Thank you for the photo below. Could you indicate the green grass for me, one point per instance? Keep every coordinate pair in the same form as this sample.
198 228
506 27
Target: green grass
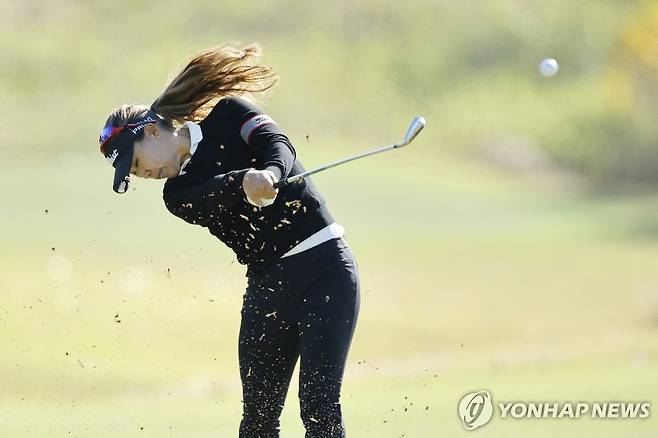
380 399
529 292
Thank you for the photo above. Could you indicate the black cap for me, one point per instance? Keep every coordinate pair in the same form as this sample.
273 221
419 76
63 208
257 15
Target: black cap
118 144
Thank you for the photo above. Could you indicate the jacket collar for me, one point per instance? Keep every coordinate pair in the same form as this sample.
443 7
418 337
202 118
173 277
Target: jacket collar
195 138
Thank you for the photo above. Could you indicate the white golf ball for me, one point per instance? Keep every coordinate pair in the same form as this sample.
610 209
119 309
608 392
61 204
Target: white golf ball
549 67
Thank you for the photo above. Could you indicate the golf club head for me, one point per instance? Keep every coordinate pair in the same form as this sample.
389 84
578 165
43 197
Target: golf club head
417 125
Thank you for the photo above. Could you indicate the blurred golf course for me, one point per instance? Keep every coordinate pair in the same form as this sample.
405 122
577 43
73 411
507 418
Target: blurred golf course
512 247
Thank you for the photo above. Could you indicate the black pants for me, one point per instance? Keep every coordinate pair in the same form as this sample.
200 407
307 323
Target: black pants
304 305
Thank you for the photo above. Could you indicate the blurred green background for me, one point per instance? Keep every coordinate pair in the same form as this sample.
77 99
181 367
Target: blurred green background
513 247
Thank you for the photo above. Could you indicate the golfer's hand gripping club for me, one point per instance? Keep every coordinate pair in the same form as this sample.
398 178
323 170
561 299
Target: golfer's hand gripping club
417 124
259 188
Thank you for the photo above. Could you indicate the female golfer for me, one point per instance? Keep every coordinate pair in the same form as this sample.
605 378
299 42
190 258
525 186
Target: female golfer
221 156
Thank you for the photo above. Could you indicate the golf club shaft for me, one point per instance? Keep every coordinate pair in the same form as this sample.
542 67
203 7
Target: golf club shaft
417 125
284 182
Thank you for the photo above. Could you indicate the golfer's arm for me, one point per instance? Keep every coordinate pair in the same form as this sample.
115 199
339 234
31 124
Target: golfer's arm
197 203
263 136
277 153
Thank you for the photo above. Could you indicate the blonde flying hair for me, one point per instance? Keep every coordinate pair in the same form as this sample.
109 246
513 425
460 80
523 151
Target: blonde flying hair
218 72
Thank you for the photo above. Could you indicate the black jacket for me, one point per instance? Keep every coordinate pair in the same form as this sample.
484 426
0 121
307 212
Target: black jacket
238 136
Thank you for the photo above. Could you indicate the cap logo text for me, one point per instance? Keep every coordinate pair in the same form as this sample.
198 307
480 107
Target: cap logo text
113 156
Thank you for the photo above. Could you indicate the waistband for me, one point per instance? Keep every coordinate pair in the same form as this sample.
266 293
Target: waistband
302 258
331 231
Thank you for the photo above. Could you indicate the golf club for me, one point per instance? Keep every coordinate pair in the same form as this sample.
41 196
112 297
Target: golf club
417 124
